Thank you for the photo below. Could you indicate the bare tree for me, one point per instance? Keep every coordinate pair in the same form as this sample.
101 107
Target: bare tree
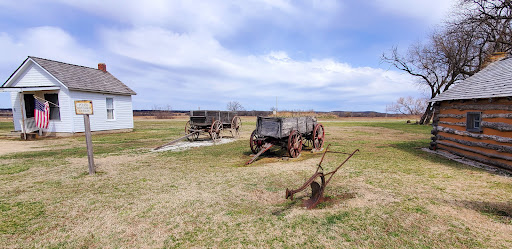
459 49
234 106
428 63
409 106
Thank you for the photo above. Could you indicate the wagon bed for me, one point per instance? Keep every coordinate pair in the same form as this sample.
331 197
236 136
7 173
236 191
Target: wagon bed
290 133
204 118
213 123
280 127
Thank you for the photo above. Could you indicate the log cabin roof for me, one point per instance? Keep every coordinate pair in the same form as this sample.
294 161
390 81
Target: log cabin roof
491 82
80 78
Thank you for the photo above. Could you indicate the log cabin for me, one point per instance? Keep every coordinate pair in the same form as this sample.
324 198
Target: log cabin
473 119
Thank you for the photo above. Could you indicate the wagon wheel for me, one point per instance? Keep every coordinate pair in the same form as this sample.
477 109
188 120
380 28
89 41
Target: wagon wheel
294 144
236 126
255 143
215 130
187 131
318 136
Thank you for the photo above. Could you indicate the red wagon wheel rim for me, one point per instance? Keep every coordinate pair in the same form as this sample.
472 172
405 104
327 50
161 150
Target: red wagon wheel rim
294 144
318 136
255 143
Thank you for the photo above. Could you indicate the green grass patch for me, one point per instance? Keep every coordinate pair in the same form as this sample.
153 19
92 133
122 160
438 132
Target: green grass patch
6 127
17 217
391 194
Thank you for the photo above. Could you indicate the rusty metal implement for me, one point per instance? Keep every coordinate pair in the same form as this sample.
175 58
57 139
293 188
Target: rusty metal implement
317 189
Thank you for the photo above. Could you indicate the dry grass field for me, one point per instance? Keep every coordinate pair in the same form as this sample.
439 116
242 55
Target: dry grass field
390 195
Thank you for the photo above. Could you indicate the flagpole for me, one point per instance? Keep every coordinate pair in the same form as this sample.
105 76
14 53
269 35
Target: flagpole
39 98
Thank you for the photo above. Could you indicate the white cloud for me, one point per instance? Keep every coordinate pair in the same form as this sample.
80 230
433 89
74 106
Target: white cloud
217 17
47 42
189 70
171 52
204 69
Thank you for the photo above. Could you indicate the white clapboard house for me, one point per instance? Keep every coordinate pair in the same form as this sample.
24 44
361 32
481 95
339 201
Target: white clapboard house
62 84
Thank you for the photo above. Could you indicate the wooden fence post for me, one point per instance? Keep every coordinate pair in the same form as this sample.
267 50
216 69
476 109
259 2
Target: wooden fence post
88 141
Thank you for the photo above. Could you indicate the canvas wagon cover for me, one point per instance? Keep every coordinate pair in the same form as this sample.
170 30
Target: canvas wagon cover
279 127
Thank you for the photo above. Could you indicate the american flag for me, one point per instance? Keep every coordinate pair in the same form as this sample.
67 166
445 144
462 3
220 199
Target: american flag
41 114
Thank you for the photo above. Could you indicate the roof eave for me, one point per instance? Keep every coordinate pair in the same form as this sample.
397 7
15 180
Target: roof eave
470 98
98 91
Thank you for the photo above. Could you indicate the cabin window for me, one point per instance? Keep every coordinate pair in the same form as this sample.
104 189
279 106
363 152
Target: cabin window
110 108
54 109
474 121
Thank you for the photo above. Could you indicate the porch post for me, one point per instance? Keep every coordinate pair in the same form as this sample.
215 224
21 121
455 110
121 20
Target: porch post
23 128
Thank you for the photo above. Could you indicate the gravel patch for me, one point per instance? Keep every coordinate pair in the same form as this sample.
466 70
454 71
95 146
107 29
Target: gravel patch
185 145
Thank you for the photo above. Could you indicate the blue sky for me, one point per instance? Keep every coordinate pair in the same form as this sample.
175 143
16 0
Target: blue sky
310 54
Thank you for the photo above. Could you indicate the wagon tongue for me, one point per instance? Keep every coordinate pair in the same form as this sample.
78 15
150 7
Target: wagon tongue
265 147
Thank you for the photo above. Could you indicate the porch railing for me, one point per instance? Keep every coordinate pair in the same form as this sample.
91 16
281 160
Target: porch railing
30 125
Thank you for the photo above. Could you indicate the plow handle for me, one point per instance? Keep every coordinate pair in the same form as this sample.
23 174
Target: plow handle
334 171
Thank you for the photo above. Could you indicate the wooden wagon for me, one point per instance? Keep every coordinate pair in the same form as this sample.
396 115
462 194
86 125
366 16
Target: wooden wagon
213 123
290 133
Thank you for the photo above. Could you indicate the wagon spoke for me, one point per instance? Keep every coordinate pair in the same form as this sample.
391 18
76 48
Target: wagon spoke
294 144
255 142
236 125
318 136
188 131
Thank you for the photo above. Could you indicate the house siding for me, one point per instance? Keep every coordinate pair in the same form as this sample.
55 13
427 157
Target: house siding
34 76
493 145
123 112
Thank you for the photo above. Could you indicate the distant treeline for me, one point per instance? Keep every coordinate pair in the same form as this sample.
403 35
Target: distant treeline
174 113
5 112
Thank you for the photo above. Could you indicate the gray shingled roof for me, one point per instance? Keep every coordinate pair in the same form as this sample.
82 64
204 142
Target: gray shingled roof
491 82
82 78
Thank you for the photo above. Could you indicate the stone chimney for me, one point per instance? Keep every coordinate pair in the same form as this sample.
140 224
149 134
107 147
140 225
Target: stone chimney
496 56
102 67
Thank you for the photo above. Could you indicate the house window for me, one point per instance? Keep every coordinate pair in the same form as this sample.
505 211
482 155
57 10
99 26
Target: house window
54 109
110 108
474 121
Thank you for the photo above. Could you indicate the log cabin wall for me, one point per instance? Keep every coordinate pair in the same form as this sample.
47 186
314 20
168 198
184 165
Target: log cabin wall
491 143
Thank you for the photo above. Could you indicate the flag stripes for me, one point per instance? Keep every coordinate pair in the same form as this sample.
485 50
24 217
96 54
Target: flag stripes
41 113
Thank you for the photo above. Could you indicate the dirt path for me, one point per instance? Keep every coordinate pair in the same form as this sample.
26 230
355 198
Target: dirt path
13 146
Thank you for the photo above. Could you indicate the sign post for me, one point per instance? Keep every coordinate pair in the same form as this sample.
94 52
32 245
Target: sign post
84 107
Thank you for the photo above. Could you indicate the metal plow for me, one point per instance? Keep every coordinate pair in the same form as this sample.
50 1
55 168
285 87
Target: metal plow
317 189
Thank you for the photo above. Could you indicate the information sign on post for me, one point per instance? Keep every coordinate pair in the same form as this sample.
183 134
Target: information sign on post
84 107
